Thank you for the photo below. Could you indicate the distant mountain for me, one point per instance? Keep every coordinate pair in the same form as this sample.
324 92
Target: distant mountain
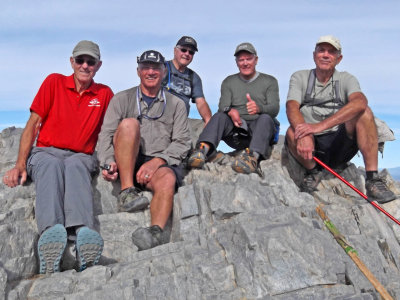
395 172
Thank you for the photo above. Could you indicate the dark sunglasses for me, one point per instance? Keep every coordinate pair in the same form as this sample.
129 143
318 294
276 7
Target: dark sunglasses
81 61
184 50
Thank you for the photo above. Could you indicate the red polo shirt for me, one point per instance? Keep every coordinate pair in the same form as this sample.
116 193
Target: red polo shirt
69 120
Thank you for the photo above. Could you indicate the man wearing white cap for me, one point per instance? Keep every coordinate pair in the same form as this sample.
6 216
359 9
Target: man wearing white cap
329 117
67 114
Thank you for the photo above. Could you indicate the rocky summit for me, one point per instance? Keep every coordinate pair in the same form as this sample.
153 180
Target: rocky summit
231 236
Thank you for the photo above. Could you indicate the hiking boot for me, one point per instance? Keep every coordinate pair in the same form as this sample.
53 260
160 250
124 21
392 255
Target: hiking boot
246 163
197 158
378 191
129 200
146 238
89 246
51 246
311 180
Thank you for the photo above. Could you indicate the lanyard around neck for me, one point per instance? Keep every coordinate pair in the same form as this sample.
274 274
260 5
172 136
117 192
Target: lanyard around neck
140 110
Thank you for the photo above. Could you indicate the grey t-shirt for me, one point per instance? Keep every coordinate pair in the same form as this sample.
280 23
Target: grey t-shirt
178 83
314 114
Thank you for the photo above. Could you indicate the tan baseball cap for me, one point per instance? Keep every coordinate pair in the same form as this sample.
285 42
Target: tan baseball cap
330 39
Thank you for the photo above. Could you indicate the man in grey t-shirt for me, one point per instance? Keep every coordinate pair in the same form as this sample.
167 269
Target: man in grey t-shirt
329 117
182 81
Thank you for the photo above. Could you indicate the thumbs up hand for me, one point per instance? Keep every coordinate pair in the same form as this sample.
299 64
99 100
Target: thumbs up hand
252 107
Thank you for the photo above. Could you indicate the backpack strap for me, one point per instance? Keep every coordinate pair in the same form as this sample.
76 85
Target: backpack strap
309 101
167 80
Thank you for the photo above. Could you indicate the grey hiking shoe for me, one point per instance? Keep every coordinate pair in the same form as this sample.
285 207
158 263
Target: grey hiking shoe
146 238
89 246
378 191
311 181
130 200
51 246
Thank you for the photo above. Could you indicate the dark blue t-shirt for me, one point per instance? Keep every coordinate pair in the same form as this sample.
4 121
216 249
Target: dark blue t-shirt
178 83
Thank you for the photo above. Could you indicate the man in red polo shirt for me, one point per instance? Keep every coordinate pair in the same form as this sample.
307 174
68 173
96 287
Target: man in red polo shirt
67 112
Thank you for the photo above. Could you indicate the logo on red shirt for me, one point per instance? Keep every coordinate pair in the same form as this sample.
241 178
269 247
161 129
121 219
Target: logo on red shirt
94 102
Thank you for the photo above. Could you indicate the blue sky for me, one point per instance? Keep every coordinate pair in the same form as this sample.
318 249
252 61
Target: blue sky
37 38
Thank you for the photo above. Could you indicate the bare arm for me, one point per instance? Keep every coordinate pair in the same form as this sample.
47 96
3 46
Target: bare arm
293 113
204 109
304 145
17 175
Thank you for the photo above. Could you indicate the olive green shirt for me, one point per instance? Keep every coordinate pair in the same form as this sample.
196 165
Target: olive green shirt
263 90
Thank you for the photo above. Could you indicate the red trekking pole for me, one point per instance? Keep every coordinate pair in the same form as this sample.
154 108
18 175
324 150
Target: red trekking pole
356 190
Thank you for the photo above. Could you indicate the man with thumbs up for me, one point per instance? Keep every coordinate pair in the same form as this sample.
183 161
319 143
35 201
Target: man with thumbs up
245 119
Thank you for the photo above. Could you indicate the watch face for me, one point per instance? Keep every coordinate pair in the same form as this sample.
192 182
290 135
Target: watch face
227 109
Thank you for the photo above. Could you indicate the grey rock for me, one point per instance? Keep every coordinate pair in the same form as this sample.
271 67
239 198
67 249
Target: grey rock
231 236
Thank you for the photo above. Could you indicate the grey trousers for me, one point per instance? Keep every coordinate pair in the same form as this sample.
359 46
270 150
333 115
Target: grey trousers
259 138
63 187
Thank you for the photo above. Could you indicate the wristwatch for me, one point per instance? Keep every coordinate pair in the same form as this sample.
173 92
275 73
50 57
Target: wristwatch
227 109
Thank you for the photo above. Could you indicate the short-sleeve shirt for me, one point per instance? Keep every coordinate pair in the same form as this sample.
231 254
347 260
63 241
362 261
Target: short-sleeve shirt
70 120
314 114
178 84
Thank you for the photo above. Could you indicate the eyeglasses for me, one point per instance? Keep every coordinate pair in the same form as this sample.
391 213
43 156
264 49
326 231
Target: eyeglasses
81 61
184 50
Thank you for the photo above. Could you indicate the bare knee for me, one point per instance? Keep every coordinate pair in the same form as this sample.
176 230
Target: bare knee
290 138
163 180
128 127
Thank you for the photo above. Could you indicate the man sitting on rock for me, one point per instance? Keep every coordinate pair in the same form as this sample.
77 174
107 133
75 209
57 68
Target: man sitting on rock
245 120
67 112
144 138
330 118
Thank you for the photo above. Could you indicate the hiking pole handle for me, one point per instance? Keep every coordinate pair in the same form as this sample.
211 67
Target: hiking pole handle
356 190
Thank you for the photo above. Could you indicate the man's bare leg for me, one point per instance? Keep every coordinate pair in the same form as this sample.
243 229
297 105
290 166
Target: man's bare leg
126 149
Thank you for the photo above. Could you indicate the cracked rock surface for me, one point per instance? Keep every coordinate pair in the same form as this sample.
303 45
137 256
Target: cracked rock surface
231 236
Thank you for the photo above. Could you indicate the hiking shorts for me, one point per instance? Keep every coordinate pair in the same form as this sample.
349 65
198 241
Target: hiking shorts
335 148
177 169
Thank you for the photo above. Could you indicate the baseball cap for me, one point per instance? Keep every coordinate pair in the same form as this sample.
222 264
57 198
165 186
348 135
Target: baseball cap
330 39
187 41
87 48
245 47
151 56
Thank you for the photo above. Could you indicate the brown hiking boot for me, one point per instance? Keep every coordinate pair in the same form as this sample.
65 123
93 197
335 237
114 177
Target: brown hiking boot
311 180
378 191
246 163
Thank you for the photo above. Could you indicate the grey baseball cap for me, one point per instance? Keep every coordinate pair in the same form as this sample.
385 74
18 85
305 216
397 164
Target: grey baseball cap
248 47
330 39
87 48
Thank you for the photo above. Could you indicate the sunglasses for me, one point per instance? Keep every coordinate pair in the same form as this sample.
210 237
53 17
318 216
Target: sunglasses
184 50
81 61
